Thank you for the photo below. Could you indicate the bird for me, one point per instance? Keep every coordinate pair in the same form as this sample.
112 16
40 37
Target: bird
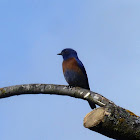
74 71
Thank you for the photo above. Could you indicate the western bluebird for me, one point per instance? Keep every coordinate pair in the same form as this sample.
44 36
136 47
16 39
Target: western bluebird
74 71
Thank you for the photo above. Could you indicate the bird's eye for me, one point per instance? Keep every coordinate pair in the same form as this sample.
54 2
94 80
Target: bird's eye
65 51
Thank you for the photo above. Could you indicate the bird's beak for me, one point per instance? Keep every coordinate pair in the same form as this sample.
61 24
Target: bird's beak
59 54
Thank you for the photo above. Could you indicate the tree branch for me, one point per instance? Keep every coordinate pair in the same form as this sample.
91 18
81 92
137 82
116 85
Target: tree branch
109 120
114 122
54 89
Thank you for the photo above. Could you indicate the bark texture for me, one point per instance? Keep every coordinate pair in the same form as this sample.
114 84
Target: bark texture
109 120
55 90
114 122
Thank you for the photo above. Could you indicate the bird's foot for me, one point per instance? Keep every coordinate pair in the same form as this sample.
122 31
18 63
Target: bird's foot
66 87
69 86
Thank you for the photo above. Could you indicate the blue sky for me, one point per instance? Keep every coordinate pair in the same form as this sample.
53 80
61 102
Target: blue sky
106 36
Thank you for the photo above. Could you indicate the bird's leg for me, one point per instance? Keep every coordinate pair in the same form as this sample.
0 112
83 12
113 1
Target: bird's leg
69 86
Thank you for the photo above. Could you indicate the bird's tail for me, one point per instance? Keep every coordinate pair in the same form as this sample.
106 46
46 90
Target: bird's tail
92 105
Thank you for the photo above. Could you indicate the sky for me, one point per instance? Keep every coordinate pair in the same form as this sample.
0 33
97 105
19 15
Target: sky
106 35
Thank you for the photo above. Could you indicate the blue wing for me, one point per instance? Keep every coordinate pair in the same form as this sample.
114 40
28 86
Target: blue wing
81 66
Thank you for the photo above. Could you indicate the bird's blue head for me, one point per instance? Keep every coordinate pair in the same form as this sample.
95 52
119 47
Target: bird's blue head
68 53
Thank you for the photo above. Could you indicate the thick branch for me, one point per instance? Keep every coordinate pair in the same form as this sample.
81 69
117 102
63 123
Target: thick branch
110 120
54 89
114 122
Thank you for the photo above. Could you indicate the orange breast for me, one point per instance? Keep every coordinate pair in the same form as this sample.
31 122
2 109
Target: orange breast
70 64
